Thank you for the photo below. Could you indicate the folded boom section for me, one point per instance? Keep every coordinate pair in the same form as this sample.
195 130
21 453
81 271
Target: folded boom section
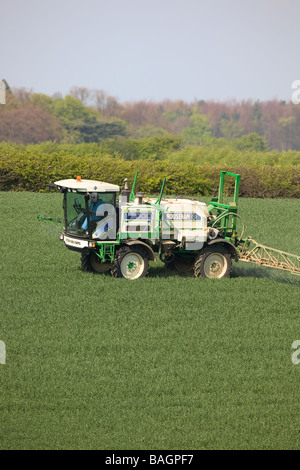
251 251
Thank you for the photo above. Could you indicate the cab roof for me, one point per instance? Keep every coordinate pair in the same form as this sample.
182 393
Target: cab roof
82 185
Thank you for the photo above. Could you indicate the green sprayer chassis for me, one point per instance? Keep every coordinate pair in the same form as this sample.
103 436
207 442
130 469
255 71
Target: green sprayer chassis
185 233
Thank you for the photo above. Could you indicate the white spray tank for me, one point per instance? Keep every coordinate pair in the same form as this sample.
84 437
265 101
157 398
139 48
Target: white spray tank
185 220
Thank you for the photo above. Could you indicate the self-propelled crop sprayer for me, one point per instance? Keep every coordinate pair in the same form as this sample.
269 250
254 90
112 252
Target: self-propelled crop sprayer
118 230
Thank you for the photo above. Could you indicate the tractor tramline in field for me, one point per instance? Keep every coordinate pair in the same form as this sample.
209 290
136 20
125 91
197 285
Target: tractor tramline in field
116 230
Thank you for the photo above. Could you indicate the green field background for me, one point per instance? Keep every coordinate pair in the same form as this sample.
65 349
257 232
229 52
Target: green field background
166 362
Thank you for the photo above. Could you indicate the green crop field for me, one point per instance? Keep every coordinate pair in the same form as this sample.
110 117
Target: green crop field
162 363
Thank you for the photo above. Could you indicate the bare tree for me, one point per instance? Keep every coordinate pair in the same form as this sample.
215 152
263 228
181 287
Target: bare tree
57 95
22 95
81 93
106 104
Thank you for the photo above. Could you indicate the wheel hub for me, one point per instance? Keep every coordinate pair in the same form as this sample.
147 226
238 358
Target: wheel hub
131 266
215 267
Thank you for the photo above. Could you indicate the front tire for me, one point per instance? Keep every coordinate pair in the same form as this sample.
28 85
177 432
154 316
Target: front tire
213 263
90 262
131 263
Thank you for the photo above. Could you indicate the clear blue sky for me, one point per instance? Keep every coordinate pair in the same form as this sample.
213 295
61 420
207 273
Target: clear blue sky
153 49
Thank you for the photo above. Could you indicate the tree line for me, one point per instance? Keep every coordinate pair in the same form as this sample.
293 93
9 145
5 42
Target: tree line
92 116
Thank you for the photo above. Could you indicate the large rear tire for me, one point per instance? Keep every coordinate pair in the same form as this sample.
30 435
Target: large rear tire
130 262
184 264
181 264
213 263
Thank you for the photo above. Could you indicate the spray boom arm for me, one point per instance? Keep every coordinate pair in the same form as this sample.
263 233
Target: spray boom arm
251 251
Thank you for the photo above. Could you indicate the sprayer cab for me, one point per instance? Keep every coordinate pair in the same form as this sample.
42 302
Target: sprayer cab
86 203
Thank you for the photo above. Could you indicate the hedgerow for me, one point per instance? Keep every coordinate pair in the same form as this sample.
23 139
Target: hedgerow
23 170
217 152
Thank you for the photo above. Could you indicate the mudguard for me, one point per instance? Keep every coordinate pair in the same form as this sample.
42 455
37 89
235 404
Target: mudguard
228 245
147 248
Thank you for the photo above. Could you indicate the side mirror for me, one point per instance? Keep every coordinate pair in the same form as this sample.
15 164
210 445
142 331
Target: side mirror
94 197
